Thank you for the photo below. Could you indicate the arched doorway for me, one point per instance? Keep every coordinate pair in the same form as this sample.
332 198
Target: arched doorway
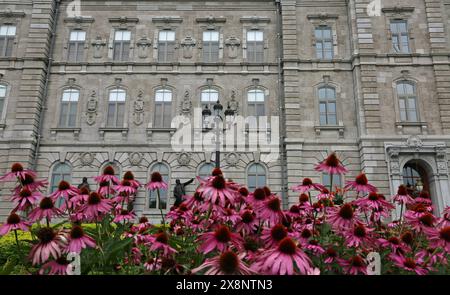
415 178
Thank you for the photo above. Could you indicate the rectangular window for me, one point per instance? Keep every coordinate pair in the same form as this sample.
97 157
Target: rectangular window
327 106
256 103
116 108
407 99
76 45
210 46
400 36
122 41
7 36
2 99
69 105
166 46
324 43
255 46
163 108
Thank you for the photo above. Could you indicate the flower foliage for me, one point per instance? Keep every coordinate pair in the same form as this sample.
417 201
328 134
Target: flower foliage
223 228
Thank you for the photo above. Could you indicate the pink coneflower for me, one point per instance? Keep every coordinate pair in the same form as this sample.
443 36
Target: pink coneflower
394 243
247 222
107 176
17 173
46 210
444 221
433 256
242 194
159 242
286 258
106 189
331 255
126 187
314 247
409 264
342 218
64 191
325 195
25 199
228 215
60 266
331 165
227 263
79 240
360 184
13 222
373 201
219 189
80 198
50 244
440 238
257 197
421 223
270 210
306 186
193 201
129 176
314 271
156 182
143 224
219 239
31 184
124 215
358 236
402 196
153 264
354 265
95 206
273 236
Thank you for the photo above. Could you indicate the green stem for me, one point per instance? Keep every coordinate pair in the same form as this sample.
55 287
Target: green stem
160 209
17 241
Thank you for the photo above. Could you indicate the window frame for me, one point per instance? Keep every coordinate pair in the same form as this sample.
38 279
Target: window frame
405 97
9 40
4 102
211 49
164 105
117 103
252 55
327 101
321 53
203 166
78 44
71 105
254 104
256 175
121 56
398 34
163 53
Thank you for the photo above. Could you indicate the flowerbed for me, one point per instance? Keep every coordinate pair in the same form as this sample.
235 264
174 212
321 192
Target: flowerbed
221 229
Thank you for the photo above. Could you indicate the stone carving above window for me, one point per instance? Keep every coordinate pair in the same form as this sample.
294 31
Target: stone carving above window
232 159
87 158
91 110
184 159
135 158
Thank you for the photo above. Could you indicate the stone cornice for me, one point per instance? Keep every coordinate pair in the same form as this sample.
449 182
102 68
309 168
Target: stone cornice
123 19
11 13
79 19
254 19
167 19
397 9
211 19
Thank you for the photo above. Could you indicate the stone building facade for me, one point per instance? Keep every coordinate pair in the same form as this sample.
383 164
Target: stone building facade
84 84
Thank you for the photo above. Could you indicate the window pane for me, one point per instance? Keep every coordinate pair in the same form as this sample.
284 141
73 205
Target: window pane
111 114
167 115
2 91
158 115
72 114
63 114
332 107
332 120
120 114
260 109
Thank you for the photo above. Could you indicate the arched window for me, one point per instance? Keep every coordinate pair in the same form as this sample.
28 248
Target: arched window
69 107
61 171
256 102
324 42
116 108
414 176
209 97
327 105
256 176
163 169
205 170
407 100
2 100
163 108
